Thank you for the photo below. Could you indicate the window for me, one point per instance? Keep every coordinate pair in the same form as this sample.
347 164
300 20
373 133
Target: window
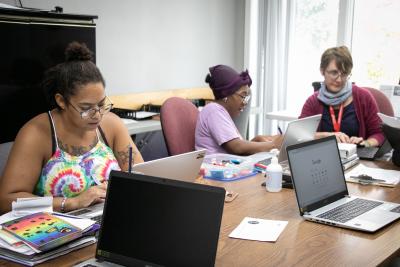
314 29
376 42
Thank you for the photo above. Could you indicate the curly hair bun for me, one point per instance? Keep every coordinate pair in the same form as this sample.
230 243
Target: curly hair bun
78 51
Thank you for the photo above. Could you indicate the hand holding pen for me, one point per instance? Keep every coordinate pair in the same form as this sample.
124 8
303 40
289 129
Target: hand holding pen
280 130
130 159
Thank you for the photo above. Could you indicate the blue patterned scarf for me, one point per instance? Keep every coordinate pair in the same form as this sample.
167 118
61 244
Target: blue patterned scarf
334 99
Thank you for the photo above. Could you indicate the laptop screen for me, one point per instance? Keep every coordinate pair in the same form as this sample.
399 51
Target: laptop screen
316 171
156 221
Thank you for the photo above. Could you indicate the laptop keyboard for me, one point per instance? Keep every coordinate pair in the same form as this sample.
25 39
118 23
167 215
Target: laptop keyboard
349 210
97 219
367 152
397 209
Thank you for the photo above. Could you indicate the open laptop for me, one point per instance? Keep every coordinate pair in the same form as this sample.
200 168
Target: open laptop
322 194
371 153
152 221
297 131
185 167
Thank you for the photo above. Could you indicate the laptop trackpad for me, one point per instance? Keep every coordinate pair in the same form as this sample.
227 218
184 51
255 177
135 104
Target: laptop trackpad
376 217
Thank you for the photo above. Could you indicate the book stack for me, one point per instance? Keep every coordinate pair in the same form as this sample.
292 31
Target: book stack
348 155
38 237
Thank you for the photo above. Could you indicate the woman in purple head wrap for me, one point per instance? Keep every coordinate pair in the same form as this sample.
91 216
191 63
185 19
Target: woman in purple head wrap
215 129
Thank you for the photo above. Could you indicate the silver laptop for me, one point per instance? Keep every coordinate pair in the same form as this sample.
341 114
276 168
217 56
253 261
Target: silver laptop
152 221
297 131
184 167
322 194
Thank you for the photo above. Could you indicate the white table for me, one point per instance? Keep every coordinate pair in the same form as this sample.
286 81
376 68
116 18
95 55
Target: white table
136 127
283 115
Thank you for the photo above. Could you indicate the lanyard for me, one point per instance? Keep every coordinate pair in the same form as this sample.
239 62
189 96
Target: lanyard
336 124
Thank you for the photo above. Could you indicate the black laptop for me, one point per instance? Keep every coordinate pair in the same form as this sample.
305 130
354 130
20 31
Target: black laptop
371 153
152 221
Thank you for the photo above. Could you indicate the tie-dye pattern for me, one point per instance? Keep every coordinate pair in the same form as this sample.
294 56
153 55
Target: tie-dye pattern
68 176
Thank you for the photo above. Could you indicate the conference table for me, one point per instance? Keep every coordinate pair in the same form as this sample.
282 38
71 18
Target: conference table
302 243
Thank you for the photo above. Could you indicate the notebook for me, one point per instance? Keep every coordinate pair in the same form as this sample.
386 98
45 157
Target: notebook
322 194
152 221
42 231
185 167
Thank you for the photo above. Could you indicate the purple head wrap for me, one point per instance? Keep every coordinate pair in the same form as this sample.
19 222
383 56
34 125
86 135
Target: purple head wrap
225 81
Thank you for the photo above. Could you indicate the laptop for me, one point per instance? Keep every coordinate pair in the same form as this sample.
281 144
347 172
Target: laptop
297 131
153 221
322 194
184 167
371 153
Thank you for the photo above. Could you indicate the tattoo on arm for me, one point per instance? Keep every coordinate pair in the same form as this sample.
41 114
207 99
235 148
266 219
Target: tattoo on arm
123 156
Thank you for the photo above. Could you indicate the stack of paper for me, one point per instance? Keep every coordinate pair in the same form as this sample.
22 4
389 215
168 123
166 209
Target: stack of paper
36 238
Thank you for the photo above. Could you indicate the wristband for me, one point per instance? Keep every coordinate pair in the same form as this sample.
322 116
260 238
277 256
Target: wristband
62 209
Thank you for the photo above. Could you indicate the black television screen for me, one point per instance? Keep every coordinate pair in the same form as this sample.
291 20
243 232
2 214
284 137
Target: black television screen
27 49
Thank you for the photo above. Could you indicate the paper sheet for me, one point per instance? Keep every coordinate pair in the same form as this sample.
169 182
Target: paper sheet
259 229
25 206
389 176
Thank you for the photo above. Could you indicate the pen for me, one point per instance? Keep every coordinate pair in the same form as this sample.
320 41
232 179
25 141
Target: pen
367 178
279 130
130 159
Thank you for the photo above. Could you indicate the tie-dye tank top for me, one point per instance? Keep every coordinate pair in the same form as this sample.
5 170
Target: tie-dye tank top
66 175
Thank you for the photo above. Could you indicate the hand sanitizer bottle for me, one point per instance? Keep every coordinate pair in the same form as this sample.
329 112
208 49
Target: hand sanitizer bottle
274 176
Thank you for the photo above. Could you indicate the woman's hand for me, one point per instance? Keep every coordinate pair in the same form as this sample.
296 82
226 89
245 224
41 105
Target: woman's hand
93 195
277 140
356 140
341 137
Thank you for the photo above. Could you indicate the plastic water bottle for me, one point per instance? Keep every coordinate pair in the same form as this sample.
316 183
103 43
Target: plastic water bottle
274 176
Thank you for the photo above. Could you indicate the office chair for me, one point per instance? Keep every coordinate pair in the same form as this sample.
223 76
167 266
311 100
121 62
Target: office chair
178 122
383 102
5 149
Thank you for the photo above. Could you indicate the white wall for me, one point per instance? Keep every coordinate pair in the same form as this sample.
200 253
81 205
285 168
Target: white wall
160 44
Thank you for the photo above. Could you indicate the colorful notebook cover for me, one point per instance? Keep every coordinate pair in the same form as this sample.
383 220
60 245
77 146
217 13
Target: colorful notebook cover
42 231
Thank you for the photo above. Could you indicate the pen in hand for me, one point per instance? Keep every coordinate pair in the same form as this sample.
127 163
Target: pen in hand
130 159
279 130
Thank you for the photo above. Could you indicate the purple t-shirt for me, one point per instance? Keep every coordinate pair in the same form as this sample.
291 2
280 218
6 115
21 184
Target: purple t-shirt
214 128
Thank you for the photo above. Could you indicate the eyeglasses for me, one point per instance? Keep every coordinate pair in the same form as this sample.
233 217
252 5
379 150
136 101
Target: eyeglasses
90 113
245 98
334 74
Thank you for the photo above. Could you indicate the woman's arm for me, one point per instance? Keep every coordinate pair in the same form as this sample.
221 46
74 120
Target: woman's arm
243 147
120 141
23 167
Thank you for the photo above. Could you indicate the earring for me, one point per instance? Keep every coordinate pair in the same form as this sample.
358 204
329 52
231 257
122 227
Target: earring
225 99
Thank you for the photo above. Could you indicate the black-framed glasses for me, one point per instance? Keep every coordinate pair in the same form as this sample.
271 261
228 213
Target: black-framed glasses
245 98
334 74
90 113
